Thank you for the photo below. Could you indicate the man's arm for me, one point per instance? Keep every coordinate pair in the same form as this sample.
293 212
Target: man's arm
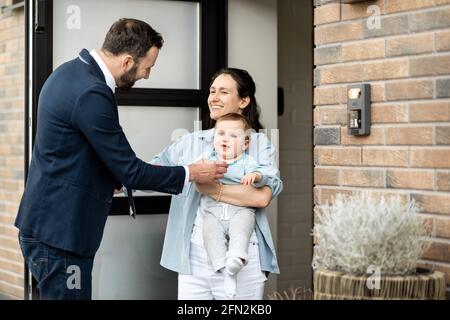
96 117
238 195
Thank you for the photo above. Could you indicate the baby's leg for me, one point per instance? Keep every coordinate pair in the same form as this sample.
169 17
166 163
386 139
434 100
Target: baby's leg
241 228
214 240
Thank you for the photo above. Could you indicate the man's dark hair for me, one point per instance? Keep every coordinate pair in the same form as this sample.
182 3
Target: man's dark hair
131 36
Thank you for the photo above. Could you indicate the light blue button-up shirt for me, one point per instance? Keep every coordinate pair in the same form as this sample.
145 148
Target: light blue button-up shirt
184 206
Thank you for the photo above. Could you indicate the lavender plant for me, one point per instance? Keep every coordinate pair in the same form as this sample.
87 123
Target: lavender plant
359 231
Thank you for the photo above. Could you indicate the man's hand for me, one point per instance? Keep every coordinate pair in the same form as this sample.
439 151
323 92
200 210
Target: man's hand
116 191
250 178
207 171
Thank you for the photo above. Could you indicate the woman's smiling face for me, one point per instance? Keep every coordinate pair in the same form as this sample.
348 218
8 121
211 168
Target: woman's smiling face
224 97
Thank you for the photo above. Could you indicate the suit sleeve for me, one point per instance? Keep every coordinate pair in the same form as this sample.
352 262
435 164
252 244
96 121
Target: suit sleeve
96 117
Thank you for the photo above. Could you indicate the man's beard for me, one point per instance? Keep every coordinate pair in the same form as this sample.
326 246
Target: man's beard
128 79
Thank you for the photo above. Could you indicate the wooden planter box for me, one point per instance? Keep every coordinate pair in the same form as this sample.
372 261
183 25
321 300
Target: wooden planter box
424 285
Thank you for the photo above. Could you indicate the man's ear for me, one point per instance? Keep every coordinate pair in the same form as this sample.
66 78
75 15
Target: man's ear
127 62
244 102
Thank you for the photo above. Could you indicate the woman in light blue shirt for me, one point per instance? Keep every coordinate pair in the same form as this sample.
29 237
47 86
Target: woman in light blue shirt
232 91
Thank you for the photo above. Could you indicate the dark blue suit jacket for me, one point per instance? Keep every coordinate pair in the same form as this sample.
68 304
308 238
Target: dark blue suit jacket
80 155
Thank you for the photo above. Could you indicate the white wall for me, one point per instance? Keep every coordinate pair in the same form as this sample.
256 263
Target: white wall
252 45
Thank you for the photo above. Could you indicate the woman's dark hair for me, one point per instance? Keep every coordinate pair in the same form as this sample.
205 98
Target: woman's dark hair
246 88
131 36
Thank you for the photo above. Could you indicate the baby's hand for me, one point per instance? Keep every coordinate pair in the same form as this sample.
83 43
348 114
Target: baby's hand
250 178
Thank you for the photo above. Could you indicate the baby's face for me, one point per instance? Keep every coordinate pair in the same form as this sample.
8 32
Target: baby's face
229 139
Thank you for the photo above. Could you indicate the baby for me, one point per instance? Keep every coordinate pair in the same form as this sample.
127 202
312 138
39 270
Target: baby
226 223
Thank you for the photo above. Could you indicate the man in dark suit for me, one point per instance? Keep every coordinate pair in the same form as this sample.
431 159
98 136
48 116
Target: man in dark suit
81 155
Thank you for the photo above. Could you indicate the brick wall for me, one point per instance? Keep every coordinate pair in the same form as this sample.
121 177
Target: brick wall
407 62
11 148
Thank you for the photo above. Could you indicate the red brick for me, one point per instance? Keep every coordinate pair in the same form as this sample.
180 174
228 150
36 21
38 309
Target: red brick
428 223
431 111
359 10
442 227
11 254
409 90
364 50
430 66
329 194
316 194
443 41
327 13
363 178
332 115
326 95
393 6
338 33
409 135
327 55
432 203
341 74
339 156
389 26
409 179
390 69
378 92
438 251
316 117
10 290
11 196
8 230
429 20
392 157
443 135
7 219
324 176
376 137
429 158
11 278
389 113
11 185
443 180
411 44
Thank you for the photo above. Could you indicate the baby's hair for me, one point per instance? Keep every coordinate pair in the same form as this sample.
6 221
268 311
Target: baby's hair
235 117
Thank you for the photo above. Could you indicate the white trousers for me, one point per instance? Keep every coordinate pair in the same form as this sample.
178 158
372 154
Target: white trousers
205 284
